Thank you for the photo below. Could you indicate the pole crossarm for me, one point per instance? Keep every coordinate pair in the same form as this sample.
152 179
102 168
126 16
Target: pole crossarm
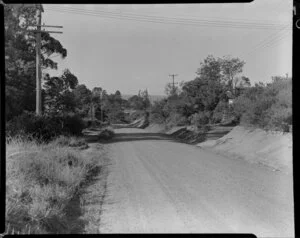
42 31
46 26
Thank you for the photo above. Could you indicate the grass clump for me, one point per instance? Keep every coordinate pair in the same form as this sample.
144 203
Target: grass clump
72 141
41 180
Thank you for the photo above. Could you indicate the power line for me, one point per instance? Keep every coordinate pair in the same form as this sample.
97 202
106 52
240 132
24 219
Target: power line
164 20
160 19
268 41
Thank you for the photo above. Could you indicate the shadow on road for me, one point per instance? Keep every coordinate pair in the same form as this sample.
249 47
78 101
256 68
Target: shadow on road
187 137
125 137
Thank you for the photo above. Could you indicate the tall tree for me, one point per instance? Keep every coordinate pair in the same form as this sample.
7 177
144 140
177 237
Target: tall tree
20 57
210 69
83 98
231 67
59 96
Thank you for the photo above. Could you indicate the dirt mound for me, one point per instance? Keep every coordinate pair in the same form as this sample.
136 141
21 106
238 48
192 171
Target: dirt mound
273 149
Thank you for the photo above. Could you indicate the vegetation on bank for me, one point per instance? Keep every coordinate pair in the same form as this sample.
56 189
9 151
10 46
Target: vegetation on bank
205 100
266 106
41 180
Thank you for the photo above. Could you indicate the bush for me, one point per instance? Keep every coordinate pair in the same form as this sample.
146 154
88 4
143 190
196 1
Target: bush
267 107
72 124
44 127
157 118
200 119
41 127
218 112
106 134
176 119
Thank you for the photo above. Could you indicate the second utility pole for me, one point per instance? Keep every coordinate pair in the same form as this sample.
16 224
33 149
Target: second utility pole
173 75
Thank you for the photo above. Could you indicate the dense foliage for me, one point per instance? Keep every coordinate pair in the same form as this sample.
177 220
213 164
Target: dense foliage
65 102
205 100
44 127
266 106
20 57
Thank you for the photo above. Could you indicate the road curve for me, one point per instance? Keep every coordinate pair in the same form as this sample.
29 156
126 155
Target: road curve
156 185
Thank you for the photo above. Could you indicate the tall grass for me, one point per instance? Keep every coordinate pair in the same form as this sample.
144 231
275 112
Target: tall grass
41 179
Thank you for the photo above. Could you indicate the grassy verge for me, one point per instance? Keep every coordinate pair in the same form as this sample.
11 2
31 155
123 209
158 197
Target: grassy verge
41 180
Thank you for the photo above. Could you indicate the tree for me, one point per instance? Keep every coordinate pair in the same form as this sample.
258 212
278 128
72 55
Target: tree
173 91
20 57
230 68
210 69
59 97
83 98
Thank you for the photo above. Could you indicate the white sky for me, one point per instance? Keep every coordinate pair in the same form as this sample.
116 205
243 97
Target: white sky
128 55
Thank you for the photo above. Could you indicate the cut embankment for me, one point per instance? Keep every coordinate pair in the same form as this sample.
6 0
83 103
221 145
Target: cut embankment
191 134
273 149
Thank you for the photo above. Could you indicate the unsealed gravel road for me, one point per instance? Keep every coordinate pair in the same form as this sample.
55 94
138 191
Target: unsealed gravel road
156 185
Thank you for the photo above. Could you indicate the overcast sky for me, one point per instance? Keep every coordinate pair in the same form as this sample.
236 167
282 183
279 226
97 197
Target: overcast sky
132 47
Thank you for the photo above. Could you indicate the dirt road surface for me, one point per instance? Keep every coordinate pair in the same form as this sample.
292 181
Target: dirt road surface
156 185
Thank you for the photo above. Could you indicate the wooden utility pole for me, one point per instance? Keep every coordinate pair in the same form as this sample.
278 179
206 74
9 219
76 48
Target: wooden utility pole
173 76
101 105
38 108
38 32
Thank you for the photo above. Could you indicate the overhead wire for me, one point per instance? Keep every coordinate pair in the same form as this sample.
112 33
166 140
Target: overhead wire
277 36
176 18
162 20
271 40
182 21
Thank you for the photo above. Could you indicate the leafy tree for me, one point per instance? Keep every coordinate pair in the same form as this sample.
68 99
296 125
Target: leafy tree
210 69
20 57
172 91
230 68
59 97
83 98
140 101
240 84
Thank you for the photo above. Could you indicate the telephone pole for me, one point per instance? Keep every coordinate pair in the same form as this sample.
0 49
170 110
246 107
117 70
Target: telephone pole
38 32
173 76
38 63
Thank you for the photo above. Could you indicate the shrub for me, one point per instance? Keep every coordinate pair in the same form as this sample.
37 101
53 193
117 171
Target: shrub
201 118
44 127
72 124
218 112
41 127
156 118
176 119
267 107
106 134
